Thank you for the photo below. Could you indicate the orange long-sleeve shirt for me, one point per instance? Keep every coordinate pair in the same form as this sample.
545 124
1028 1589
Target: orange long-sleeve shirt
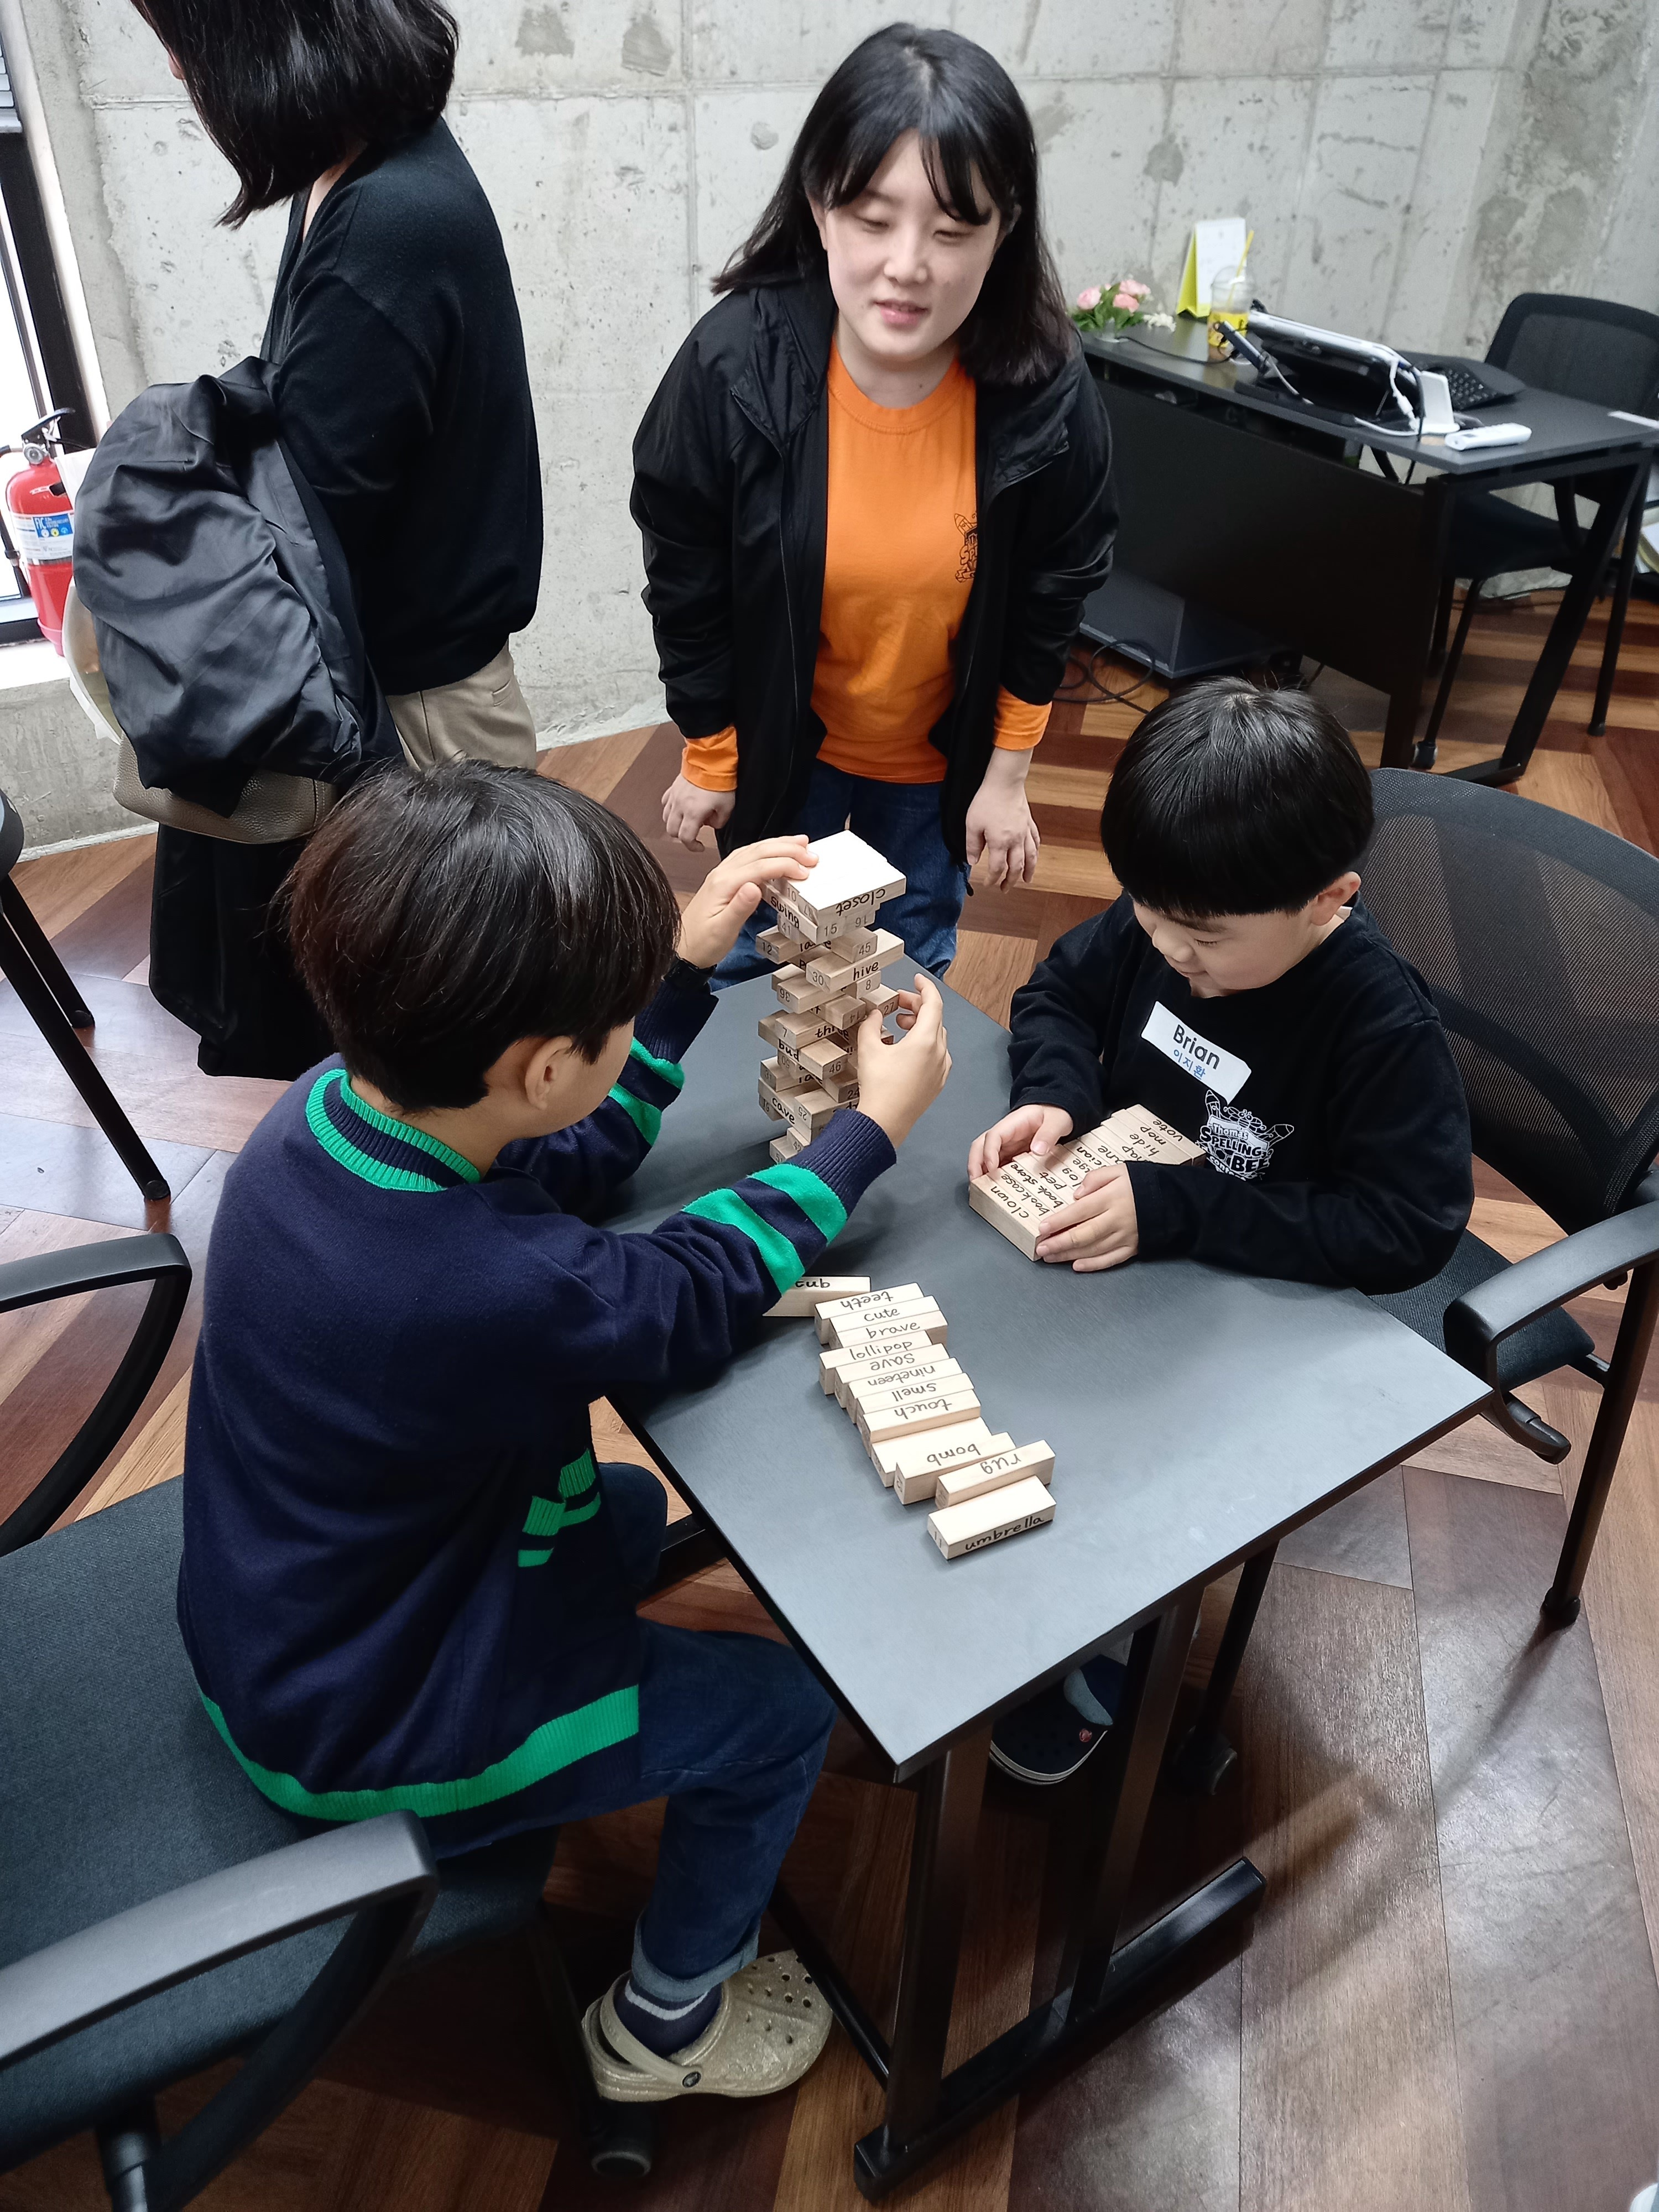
899 546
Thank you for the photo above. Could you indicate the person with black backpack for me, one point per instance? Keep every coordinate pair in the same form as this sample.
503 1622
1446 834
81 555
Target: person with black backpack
395 368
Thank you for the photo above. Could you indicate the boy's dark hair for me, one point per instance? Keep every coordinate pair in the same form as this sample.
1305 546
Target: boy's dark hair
1231 800
285 87
972 122
438 919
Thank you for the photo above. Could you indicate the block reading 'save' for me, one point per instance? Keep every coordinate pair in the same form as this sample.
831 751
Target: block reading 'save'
802 1300
958 1529
863 1400
905 1365
995 1472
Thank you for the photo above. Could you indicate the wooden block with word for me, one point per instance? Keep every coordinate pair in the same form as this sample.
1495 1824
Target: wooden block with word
915 1485
793 1030
834 1362
768 1099
791 1070
849 876
937 1448
866 1398
795 994
1018 1196
915 1414
923 1314
777 944
778 1077
821 1058
995 1472
806 1111
894 1294
841 1018
785 1146
802 1300
825 966
771 1027
959 1529
908 1364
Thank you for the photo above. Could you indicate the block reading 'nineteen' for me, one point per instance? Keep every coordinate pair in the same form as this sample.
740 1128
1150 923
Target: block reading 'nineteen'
958 1529
838 1358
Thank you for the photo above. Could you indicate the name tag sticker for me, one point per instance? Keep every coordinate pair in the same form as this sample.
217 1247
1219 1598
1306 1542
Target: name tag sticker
1224 1072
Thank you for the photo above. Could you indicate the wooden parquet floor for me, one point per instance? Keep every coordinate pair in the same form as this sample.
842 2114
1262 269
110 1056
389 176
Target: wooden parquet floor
1449 2002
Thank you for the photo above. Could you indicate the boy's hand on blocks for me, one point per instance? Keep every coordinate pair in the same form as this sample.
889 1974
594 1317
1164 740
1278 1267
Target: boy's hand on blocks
898 1082
1099 1228
687 808
1033 1130
715 916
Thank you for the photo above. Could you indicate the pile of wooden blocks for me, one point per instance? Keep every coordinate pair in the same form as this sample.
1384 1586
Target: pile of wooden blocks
1020 1195
829 981
919 1417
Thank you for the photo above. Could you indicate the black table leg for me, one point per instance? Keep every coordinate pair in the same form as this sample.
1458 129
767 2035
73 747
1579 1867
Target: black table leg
1103 1984
1634 513
1565 634
941 1861
1203 1758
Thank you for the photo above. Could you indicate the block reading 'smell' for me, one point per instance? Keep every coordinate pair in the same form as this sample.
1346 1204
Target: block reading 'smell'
863 1402
1019 1196
907 1365
802 1300
958 1529
995 1472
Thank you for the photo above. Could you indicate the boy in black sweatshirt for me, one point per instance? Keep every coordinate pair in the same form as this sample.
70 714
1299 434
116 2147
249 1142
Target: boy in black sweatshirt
1240 990
405 1583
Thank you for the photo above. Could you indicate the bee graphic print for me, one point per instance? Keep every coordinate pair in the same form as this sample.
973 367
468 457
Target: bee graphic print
1237 1143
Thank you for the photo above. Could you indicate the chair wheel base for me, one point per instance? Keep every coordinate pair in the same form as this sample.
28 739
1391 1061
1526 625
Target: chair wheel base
1201 1764
1563 1611
1426 755
156 1190
623 2141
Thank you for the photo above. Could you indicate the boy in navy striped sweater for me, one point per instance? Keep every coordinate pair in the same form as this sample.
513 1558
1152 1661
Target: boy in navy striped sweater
405 1583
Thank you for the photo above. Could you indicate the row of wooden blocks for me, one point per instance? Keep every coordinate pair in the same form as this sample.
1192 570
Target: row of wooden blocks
887 1363
1020 1195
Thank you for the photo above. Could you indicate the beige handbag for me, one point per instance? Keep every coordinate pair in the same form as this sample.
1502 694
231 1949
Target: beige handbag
272 808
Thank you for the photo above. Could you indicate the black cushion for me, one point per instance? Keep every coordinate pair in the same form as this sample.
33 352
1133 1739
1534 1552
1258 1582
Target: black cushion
114 1788
1539 1349
1493 536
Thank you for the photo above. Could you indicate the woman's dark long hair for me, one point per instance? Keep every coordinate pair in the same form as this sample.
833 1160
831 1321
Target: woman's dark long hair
286 88
973 127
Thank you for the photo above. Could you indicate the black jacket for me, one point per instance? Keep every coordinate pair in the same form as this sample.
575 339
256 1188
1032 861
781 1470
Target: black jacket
227 630
731 471
1328 1104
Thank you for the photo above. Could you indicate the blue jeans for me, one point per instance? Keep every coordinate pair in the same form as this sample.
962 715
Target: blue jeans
732 1732
901 820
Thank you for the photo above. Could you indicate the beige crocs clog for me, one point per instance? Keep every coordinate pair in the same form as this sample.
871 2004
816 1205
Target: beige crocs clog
771 2024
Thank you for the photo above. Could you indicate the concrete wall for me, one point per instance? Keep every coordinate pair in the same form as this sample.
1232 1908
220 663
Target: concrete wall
1408 164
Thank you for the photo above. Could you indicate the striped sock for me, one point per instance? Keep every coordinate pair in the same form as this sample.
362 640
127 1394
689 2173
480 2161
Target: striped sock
664 2028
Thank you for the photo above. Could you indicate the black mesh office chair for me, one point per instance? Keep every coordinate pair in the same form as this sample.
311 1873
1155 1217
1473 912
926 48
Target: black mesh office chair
1538 935
57 1010
1591 350
156 1913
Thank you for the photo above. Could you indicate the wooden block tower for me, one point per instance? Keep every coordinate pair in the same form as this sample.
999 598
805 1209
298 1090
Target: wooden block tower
829 980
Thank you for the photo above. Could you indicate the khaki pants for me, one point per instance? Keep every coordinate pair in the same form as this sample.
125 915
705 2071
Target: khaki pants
483 717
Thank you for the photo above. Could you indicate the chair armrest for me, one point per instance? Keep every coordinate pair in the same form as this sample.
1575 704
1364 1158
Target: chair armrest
91 1268
1477 1323
158 1260
134 1954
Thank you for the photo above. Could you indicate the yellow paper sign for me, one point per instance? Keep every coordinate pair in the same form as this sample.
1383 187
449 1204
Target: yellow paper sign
1215 249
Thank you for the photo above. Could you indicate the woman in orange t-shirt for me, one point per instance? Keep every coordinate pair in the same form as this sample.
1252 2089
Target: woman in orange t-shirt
874 493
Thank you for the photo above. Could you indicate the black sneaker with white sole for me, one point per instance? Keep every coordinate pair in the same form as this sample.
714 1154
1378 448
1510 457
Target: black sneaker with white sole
1049 1739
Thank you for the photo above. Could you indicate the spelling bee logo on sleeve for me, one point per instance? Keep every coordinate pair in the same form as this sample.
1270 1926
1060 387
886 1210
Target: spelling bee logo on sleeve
1224 1072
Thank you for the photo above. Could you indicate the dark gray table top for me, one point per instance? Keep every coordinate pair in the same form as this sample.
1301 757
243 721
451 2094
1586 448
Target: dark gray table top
1562 429
1192 1414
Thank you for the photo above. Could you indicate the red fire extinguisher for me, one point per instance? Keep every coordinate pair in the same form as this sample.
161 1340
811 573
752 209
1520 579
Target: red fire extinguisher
40 519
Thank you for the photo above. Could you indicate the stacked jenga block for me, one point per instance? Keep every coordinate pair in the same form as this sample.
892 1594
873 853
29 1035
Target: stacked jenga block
830 956
918 1417
1019 1196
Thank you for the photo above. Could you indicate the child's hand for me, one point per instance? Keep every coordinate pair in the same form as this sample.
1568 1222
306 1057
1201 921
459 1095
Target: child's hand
1034 1129
715 916
898 1082
1096 1229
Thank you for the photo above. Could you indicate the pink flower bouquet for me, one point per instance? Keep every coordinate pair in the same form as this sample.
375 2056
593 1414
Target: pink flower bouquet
1117 305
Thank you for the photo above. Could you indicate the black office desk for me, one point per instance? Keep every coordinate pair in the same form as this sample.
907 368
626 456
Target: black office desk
1195 1416
1235 497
